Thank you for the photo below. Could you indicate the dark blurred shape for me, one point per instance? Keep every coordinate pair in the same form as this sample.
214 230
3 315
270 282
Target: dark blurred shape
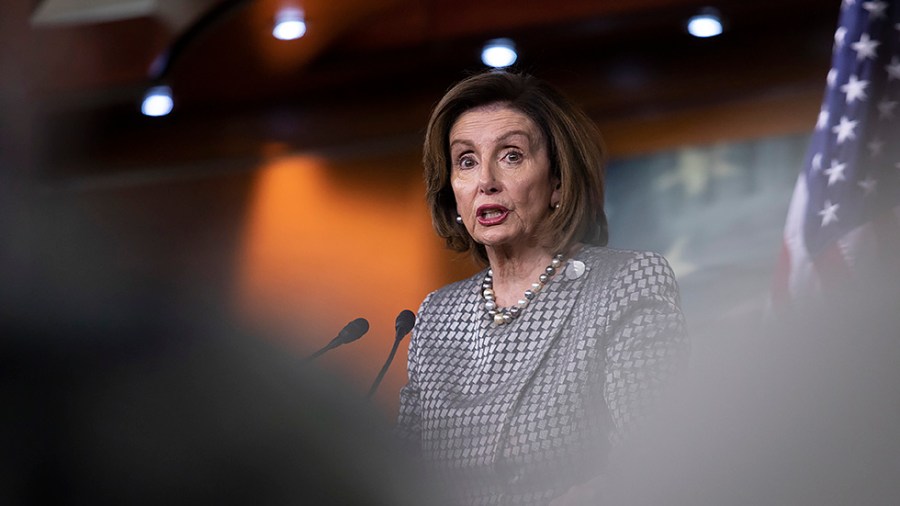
116 389
172 416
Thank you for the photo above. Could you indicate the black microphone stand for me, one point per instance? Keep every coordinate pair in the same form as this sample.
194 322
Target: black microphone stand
405 321
384 368
329 346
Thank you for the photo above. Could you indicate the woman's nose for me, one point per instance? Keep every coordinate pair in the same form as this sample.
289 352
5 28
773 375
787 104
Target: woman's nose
487 180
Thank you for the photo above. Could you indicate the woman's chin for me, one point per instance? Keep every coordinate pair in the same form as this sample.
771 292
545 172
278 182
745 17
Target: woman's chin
493 240
509 245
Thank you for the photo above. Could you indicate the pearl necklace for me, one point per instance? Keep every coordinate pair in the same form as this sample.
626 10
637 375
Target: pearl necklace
502 315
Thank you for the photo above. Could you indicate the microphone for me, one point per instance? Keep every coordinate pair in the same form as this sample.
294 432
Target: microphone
405 322
351 332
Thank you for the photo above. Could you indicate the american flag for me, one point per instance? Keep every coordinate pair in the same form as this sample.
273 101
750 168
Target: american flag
843 224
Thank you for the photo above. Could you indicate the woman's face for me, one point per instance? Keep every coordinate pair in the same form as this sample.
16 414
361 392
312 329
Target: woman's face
500 174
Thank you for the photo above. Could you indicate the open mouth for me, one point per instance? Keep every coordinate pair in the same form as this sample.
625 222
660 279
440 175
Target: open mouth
492 215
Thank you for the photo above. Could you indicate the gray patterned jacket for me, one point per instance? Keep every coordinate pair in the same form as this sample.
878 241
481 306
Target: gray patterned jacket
518 413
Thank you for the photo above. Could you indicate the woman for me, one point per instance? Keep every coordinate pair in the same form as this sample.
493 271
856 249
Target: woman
522 377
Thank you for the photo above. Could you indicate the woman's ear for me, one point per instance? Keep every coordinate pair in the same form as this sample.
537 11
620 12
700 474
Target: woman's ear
557 190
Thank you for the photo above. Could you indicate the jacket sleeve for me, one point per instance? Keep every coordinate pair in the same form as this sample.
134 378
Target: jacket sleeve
647 343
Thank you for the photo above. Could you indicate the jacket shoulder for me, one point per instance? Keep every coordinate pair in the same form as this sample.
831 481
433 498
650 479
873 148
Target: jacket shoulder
610 261
453 293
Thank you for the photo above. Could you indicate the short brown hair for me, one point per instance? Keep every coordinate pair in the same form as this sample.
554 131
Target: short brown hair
574 147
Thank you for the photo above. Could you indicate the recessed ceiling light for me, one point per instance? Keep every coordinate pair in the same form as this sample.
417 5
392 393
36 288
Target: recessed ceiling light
289 25
157 101
499 53
706 23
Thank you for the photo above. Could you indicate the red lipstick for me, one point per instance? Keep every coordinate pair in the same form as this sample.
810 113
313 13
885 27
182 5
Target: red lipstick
492 214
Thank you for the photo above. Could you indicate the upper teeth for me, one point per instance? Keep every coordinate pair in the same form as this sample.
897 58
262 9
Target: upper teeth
492 213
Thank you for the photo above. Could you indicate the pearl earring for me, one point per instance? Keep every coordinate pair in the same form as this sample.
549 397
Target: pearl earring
459 219
556 205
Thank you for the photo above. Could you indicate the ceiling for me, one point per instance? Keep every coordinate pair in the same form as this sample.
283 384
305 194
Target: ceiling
367 71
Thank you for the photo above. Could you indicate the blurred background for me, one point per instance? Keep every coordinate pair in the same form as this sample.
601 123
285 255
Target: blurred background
282 195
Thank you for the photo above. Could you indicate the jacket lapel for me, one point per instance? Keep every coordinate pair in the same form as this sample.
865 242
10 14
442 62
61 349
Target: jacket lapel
541 324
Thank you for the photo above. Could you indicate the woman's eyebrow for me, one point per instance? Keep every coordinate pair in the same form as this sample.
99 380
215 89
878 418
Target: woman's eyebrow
462 142
513 133
529 138
505 137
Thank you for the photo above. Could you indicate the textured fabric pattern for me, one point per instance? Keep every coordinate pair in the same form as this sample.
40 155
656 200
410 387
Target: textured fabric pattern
518 413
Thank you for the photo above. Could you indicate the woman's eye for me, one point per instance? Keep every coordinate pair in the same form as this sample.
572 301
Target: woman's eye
465 162
513 156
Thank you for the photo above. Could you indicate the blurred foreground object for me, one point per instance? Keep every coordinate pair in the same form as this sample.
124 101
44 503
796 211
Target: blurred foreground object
802 414
175 418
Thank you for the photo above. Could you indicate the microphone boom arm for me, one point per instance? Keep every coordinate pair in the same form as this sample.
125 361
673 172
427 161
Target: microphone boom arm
404 324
